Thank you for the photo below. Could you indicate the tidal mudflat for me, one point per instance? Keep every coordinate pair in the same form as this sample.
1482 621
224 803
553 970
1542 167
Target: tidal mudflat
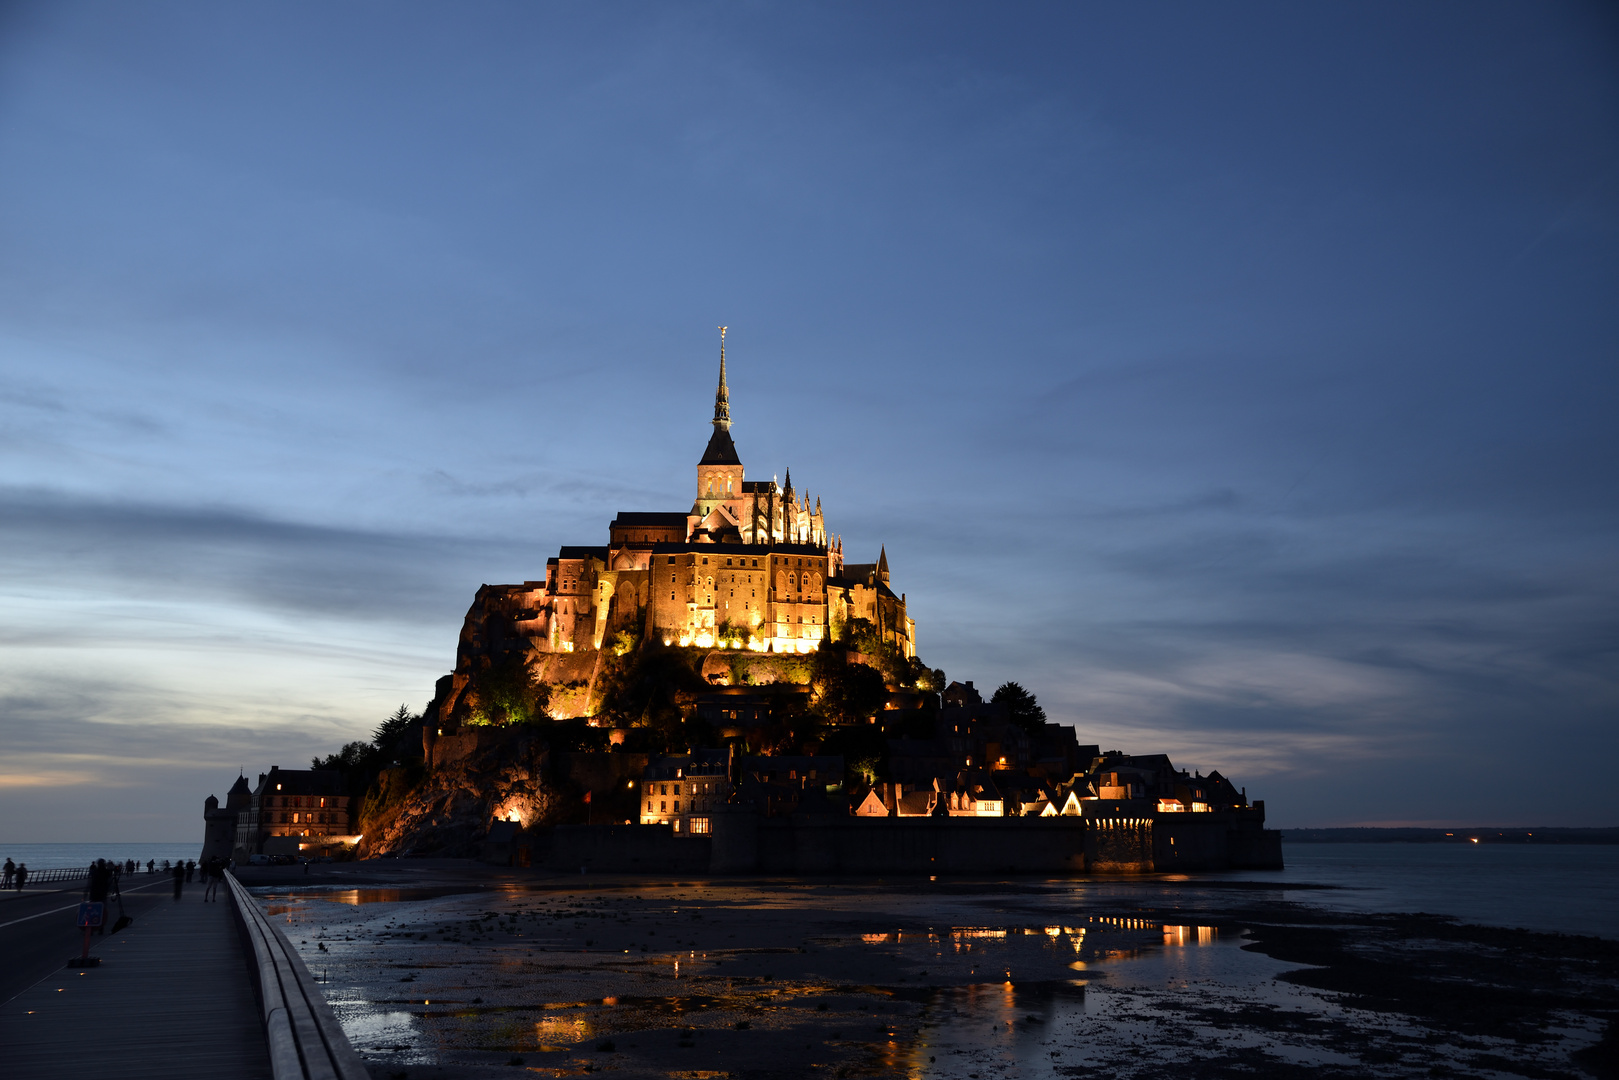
716 978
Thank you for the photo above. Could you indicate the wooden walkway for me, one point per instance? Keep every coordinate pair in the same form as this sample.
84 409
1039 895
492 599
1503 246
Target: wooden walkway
173 996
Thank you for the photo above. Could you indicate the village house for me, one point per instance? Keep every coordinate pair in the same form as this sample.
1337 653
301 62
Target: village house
294 812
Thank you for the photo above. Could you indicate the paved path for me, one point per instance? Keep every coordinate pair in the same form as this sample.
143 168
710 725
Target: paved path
37 931
172 997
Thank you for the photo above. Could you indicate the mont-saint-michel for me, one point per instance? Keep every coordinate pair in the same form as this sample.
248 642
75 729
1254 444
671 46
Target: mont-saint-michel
692 803
719 689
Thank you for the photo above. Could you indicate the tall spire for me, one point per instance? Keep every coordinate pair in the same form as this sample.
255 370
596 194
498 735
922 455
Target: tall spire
722 396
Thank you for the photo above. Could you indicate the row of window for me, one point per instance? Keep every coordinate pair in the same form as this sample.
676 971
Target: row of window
296 817
664 807
665 789
301 800
785 561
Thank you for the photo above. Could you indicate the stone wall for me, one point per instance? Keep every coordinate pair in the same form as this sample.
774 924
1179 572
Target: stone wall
744 843
625 849
1215 841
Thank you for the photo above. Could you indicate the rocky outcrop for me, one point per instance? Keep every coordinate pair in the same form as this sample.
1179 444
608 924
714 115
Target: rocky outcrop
446 809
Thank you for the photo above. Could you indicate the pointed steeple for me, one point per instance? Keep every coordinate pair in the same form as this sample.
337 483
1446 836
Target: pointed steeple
882 565
722 396
721 450
789 486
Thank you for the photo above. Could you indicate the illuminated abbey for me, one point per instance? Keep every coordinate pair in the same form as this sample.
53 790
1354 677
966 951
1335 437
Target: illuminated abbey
750 566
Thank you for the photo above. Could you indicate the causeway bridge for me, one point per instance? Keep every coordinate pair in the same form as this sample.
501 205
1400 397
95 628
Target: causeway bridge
191 987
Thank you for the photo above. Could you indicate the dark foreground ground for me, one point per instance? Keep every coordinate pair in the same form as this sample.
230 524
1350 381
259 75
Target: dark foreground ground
442 969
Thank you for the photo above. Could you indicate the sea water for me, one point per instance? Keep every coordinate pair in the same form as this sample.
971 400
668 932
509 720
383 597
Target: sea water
56 856
1561 888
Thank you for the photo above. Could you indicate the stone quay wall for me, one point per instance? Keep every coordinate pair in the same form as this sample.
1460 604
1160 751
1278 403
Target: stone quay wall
745 843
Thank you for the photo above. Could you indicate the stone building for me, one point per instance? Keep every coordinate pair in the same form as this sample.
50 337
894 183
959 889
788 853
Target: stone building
294 812
750 565
219 824
684 791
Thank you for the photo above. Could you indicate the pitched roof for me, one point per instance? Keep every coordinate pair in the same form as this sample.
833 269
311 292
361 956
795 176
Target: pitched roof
721 450
583 552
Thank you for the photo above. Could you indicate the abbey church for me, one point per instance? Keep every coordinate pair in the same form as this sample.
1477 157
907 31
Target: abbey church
750 566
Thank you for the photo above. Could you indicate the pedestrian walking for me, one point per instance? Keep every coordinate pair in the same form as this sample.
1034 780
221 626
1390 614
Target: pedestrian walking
191 868
150 863
22 875
103 881
213 871
11 872
179 873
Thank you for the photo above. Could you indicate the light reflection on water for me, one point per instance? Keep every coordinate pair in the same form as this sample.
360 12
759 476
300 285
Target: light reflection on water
373 895
1190 935
1009 1017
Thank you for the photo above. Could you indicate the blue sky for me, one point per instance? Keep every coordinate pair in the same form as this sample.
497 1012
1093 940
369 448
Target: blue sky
1241 380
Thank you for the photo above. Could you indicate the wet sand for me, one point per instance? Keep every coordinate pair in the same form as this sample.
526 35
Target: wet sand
444 970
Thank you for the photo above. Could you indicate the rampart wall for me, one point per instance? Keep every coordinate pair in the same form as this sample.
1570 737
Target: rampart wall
745 843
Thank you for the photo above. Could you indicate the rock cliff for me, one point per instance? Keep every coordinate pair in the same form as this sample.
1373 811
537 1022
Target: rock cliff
446 804
447 809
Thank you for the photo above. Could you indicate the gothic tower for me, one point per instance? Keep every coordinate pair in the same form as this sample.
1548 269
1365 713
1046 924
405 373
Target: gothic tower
718 508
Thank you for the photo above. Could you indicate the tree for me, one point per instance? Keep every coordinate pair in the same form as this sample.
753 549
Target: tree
649 685
1021 707
846 693
390 730
360 762
930 680
508 692
864 751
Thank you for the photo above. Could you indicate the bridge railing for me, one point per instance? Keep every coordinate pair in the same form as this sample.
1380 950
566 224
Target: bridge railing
306 1041
57 875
